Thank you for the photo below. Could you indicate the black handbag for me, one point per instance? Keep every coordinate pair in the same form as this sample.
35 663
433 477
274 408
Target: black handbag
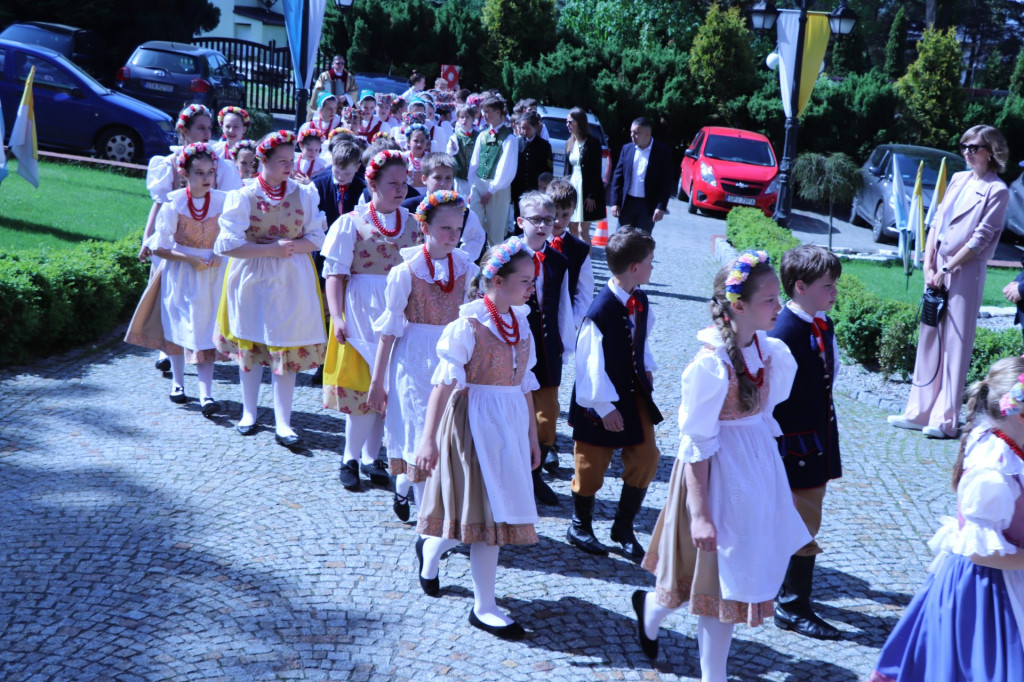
933 306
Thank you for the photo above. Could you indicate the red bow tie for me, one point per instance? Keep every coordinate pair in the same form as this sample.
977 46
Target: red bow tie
538 258
818 329
556 244
633 305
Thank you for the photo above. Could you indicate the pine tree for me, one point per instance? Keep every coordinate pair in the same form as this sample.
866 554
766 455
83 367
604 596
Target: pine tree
896 48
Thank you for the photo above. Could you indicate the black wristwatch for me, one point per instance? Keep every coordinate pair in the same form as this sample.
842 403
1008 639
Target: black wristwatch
945 269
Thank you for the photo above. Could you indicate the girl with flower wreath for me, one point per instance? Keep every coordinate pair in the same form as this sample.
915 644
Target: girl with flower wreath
308 161
728 528
422 296
233 123
479 443
417 145
270 312
178 310
243 154
361 249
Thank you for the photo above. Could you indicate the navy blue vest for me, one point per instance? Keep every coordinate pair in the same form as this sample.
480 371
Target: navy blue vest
576 251
628 378
810 442
544 323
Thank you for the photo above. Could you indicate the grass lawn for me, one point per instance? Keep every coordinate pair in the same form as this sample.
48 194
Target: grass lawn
889 281
72 204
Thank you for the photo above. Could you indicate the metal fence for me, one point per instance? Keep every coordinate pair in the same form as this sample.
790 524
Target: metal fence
266 71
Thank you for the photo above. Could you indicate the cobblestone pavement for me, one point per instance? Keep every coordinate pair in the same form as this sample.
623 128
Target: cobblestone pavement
140 541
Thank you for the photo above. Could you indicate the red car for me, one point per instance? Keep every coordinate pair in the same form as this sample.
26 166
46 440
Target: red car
726 167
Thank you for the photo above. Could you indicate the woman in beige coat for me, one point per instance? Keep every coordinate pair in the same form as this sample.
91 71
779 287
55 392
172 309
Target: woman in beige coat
961 240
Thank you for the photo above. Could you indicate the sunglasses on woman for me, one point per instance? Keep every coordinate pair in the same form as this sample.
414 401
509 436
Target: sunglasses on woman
972 148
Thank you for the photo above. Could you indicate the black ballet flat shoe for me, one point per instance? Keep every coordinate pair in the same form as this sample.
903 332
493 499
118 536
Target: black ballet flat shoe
288 441
649 646
247 430
513 632
211 407
377 472
349 475
430 586
163 365
318 377
178 396
401 507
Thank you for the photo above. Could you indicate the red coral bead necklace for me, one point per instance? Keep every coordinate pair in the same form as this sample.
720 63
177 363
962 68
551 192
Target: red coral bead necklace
198 214
379 225
273 194
445 287
509 332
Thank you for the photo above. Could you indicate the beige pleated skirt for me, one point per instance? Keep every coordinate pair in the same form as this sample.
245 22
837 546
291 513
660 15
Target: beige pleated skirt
455 503
684 573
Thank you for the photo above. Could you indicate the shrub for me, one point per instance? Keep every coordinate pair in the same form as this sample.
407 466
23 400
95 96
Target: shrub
862 317
50 301
898 347
990 346
749 228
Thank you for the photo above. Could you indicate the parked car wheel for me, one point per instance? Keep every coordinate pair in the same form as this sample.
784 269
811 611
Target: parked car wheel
680 194
118 144
690 206
877 224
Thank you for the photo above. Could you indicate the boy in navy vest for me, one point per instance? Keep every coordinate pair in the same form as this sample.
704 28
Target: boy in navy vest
551 322
612 406
810 442
581 270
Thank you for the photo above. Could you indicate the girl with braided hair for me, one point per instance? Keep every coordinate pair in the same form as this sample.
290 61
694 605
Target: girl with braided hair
724 538
423 294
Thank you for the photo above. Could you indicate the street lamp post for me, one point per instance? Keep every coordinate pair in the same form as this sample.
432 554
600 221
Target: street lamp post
763 16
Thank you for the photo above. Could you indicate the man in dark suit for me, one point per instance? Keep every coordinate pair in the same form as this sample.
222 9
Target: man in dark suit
643 179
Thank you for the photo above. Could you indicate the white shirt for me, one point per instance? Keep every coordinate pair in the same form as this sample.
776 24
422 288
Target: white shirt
641 157
566 322
473 236
814 344
584 288
504 172
593 387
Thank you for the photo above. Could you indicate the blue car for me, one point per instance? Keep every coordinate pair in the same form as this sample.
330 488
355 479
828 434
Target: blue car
75 113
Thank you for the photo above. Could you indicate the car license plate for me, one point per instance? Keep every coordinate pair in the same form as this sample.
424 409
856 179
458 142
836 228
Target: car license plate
746 201
160 87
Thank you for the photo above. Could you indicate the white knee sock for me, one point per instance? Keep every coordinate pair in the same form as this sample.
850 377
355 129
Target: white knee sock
654 613
713 640
371 446
483 561
402 485
177 370
161 356
433 548
357 430
205 372
284 388
250 382
418 491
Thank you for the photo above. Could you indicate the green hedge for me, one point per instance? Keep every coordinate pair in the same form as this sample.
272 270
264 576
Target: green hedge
54 300
749 228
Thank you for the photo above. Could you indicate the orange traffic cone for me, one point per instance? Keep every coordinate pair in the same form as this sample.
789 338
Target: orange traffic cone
600 237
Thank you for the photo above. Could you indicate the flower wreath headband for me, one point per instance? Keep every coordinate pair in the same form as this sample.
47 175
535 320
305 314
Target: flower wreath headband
1012 403
341 130
382 136
442 197
232 110
381 158
501 256
274 140
308 132
741 268
189 113
190 151
243 144
411 128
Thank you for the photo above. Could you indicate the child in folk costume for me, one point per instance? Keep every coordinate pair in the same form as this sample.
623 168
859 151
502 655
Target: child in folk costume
244 155
417 145
326 117
233 123
423 295
307 161
492 169
369 124
361 249
581 268
270 312
438 171
461 144
190 278
967 622
480 440
385 101
724 551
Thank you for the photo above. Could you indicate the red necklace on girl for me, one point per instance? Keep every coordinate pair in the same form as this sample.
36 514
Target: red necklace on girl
1009 442
509 332
379 225
197 213
445 287
309 168
759 379
275 194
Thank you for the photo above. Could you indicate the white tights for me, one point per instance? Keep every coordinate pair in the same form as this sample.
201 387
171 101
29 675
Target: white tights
483 561
284 389
433 548
203 369
402 485
177 370
363 435
250 382
713 638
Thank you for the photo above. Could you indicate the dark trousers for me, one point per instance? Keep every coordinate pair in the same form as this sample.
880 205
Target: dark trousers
635 212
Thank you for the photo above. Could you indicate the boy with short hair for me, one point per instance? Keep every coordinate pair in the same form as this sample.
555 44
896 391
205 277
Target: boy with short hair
810 438
460 146
439 173
581 269
612 403
492 167
551 322
534 156
340 185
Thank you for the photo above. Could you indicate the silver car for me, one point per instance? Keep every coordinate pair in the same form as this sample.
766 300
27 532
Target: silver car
553 119
873 204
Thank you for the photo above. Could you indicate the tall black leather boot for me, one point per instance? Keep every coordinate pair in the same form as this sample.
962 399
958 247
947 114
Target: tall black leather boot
793 606
542 492
581 530
622 528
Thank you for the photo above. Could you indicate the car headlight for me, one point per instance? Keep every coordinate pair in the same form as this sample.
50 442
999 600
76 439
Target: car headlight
707 174
773 186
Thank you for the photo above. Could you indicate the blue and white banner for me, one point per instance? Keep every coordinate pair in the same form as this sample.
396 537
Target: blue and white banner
302 64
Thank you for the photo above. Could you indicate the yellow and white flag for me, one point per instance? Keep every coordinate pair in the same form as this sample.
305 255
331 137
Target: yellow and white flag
916 219
937 195
816 35
23 135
